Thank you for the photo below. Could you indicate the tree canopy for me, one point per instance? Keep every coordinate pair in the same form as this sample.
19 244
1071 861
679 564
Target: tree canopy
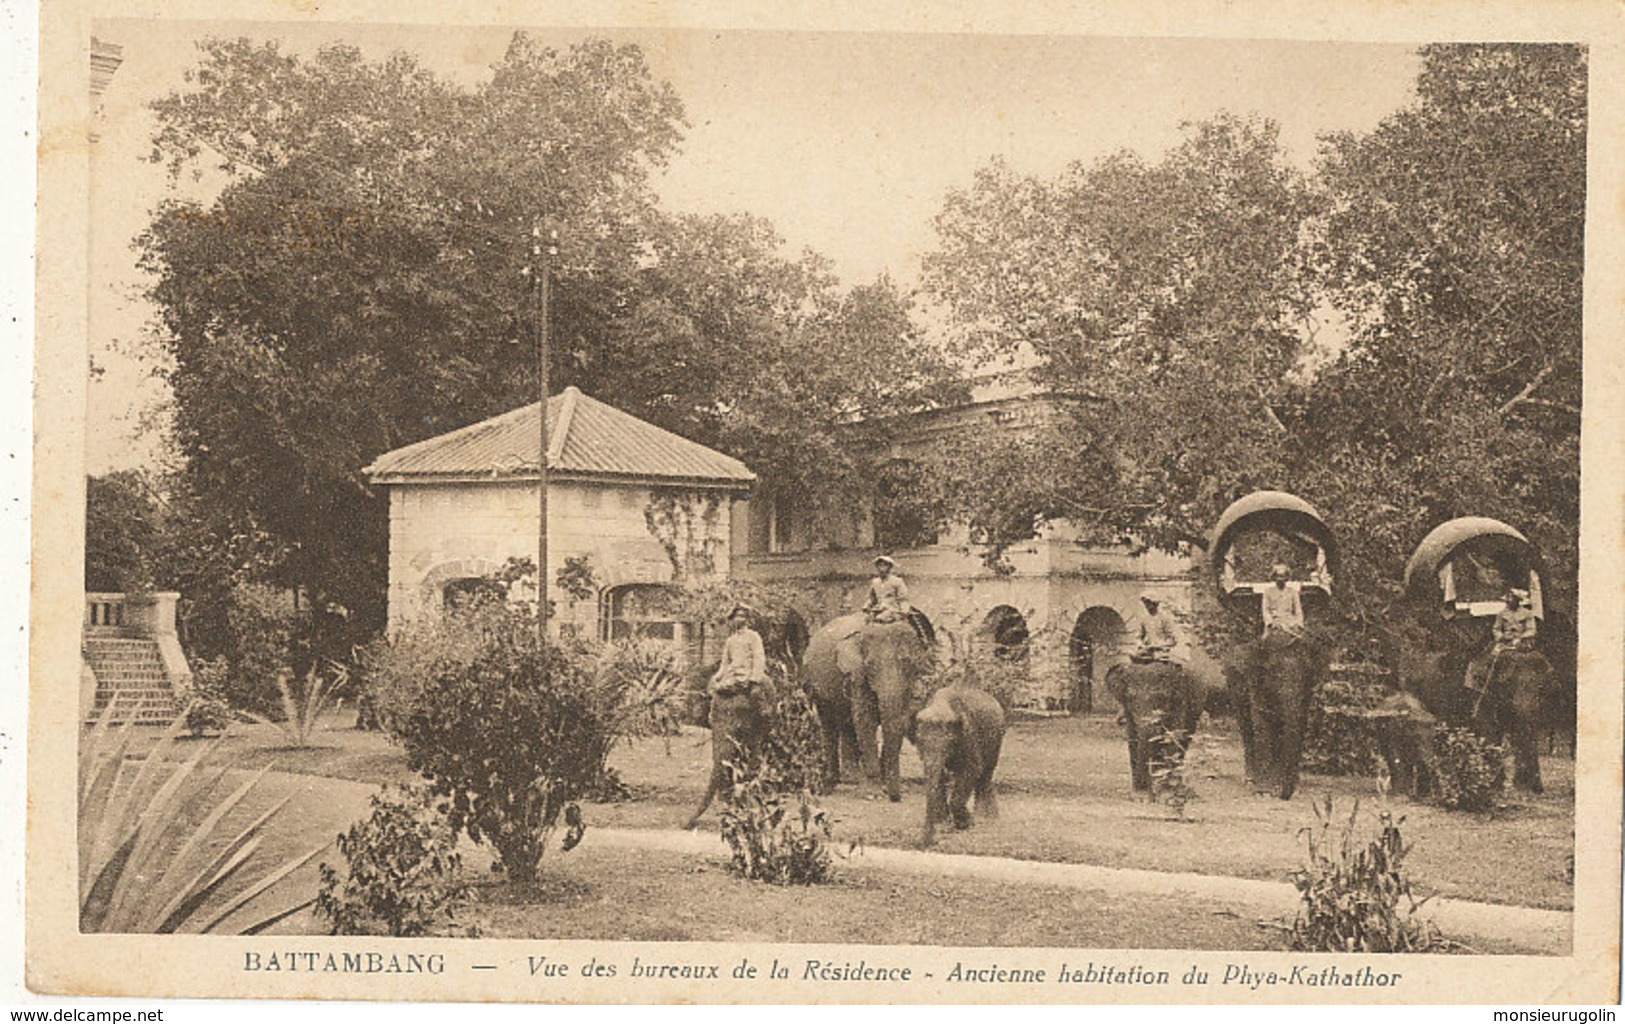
1171 308
364 279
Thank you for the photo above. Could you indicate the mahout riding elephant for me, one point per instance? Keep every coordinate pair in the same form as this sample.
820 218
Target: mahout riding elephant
1271 683
958 732
1405 732
740 723
1157 697
862 676
1510 709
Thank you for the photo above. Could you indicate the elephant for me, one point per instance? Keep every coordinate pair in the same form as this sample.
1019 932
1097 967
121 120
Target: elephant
740 723
862 676
1271 683
1511 709
958 732
1156 697
1405 732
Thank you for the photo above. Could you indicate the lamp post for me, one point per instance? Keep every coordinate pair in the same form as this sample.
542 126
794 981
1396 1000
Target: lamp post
543 247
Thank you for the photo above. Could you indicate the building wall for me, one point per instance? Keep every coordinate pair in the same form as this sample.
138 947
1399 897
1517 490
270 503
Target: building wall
446 531
1054 584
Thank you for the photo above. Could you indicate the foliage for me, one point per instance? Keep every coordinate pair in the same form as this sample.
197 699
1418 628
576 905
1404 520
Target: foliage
1172 760
513 729
155 854
1139 288
405 876
1356 898
576 578
1340 738
1471 771
772 839
203 706
1454 245
1172 313
303 704
794 750
122 523
359 279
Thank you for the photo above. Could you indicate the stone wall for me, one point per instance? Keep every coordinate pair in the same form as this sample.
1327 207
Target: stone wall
447 531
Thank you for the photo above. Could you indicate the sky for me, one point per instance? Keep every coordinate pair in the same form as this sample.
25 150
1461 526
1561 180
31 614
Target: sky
847 142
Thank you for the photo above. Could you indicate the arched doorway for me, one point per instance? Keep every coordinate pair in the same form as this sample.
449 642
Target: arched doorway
1004 634
1095 636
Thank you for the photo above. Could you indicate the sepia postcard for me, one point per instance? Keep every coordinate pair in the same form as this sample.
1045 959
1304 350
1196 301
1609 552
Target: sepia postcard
728 503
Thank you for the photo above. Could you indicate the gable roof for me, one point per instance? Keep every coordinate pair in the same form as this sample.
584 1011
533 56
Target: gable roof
586 440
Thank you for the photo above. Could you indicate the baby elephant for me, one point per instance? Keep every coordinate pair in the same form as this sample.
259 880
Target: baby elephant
1404 730
958 733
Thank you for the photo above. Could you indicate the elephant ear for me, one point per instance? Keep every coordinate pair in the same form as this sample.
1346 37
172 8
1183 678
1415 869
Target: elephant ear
849 656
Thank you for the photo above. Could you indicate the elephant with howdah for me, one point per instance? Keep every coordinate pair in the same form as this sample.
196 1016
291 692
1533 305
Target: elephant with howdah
863 677
1509 709
1271 683
1157 698
958 732
740 723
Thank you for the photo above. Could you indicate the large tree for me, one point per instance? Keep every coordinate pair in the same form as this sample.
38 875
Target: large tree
364 279
1163 305
1454 243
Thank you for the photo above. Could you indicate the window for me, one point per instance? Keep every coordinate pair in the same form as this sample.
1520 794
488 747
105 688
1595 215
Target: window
645 611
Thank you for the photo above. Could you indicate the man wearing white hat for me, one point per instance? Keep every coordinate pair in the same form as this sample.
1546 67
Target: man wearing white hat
888 594
1513 630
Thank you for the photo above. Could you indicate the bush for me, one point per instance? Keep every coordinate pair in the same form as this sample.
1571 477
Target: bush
203 707
772 839
1471 771
405 876
513 730
1357 898
1341 739
794 751
1172 759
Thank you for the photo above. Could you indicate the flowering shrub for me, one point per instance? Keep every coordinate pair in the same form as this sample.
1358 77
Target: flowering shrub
404 877
1471 771
771 837
513 731
1356 898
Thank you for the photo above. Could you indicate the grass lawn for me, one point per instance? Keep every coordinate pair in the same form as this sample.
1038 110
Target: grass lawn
1064 796
651 896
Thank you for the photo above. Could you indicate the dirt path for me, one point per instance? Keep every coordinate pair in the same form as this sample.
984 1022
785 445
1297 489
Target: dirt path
1538 931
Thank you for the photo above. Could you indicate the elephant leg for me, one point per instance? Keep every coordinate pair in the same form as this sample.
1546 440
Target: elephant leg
1522 711
866 721
1139 760
1290 757
986 804
830 726
891 753
1265 740
964 784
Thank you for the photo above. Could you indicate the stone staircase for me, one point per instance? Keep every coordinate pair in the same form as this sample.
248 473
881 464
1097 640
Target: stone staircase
131 658
130 673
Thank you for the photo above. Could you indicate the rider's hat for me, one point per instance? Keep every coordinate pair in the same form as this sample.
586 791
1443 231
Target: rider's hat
885 560
1279 571
1150 597
1522 595
739 611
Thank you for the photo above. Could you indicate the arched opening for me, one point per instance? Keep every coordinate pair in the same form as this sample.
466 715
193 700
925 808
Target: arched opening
1004 634
1095 635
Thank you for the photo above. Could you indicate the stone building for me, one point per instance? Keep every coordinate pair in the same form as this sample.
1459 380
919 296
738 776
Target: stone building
1055 618
630 509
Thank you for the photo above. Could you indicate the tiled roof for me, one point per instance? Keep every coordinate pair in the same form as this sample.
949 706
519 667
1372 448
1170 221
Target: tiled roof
585 438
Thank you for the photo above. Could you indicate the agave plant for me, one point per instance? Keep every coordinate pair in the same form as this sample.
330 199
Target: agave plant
301 707
153 853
